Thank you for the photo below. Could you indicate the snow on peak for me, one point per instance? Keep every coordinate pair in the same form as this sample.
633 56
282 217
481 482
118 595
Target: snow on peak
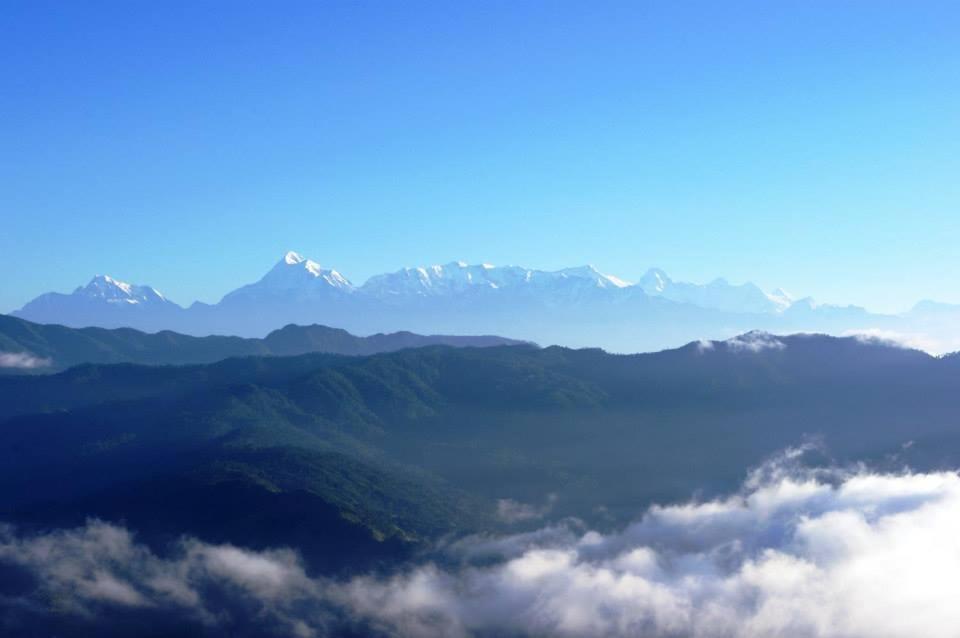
335 279
589 272
295 271
313 268
105 282
458 277
617 282
781 298
293 258
718 294
654 281
300 277
106 288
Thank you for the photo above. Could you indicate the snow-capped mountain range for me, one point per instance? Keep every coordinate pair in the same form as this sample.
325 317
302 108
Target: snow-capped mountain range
578 306
459 277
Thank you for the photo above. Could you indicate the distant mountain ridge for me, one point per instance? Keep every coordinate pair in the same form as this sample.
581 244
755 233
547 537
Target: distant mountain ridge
579 306
45 348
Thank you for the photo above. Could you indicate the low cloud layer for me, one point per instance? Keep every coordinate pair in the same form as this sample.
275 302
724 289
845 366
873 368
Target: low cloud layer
22 360
794 553
754 341
932 344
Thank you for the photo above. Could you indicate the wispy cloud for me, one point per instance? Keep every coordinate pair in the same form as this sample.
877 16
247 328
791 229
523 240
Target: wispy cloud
914 340
510 511
23 360
755 342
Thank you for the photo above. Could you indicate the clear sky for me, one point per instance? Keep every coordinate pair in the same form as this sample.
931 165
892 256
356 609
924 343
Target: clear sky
809 145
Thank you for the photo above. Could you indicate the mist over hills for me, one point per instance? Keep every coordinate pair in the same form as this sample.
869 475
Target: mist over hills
577 307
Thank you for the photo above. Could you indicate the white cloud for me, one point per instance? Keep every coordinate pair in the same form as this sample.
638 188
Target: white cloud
794 553
755 341
704 345
913 340
93 570
23 360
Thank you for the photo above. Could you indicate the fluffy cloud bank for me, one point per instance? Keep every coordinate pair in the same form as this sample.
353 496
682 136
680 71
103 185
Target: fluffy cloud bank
793 554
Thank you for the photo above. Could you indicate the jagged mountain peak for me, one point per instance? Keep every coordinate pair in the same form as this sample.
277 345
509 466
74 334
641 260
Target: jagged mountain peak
293 270
103 283
590 272
292 258
113 290
459 277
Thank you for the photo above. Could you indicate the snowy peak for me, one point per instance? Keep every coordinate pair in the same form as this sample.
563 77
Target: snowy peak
459 277
592 275
654 282
295 278
110 290
453 277
292 258
294 270
104 302
719 294
313 269
781 298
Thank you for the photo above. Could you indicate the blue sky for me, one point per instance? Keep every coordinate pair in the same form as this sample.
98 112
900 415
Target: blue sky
809 145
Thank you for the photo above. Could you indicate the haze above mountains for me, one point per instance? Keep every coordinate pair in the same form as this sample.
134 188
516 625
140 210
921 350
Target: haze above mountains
578 306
